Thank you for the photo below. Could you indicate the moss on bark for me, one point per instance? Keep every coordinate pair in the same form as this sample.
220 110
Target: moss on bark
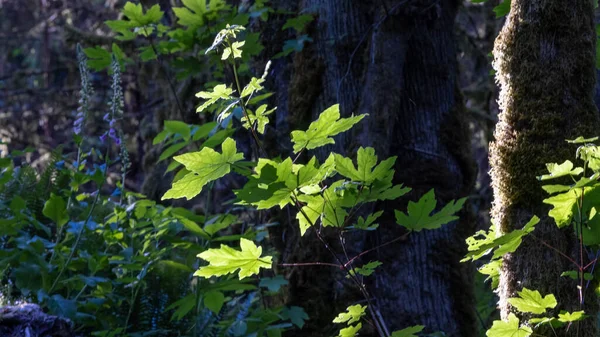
544 61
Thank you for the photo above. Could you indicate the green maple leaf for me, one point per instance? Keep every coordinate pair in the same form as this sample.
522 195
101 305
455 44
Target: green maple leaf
227 260
274 183
492 270
365 270
259 117
567 317
590 154
274 283
205 165
298 23
321 131
566 210
135 13
419 218
296 315
219 92
508 329
253 86
350 331
408 332
366 171
234 49
196 12
501 245
562 210
352 315
581 140
560 170
368 223
270 186
532 301
328 206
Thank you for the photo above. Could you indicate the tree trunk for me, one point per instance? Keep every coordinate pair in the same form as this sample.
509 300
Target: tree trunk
396 61
544 61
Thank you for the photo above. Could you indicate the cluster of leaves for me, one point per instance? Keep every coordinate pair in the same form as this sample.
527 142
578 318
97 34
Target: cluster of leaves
195 22
323 195
574 203
93 252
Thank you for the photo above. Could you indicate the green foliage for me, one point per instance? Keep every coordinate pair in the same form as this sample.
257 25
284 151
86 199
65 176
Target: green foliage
55 209
227 260
203 166
350 331
509 328
419 218
576 204
195 13
219 92
565 169
321 131
502 9
352 315
572 204
532 301
367 269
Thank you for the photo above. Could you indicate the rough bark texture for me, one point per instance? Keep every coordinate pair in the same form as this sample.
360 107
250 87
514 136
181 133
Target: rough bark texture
396 61
544 60
423 282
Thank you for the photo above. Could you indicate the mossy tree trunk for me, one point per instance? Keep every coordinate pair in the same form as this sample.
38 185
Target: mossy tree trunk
396 61
544 61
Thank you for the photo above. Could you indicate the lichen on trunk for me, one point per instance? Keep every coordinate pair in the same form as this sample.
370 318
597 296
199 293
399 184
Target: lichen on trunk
544 62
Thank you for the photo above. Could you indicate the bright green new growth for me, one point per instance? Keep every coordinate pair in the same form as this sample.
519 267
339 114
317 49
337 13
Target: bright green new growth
532 301
352 315
219 92
556 171
195 12
366 172
259 117
568 317
204 166
507 243
321 131
350 331
510 328
227 260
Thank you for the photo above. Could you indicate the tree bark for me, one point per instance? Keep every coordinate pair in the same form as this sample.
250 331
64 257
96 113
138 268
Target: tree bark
396 61
544 61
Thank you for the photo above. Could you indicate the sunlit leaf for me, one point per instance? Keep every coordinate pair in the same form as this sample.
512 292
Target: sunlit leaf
219 92
205 165
350 331
510 328
321 131
532 301
227 260
560 170
567 317
352 315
